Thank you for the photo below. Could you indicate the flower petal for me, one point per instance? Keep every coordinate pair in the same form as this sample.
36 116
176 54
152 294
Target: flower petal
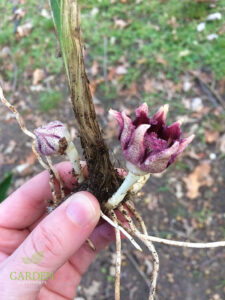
183 143
158 162
158 121
127 131
137 147
141 115
172 132
161 114
155 143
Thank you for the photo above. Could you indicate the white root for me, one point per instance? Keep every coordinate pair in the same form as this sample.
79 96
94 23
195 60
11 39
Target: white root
133 242
185 244
137 216
149 245
118 259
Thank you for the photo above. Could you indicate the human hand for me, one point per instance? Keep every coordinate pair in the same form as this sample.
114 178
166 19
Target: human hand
40 245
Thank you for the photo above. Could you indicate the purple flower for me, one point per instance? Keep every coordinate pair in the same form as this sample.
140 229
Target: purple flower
148 143
52 138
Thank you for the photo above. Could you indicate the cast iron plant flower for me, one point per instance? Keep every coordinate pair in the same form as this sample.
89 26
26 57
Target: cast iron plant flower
148 144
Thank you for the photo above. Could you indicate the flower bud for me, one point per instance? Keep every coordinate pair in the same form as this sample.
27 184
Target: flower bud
52 138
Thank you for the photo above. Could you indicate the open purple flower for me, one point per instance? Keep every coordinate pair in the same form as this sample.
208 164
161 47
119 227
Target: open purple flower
148 144
52 138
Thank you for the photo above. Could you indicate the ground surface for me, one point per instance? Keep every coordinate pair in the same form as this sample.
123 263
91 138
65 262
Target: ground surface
129 62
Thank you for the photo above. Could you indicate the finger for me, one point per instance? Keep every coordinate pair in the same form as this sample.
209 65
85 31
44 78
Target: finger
57 237
102 236
29 202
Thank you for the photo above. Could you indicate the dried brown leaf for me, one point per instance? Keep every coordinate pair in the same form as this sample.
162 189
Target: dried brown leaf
38 75
198 178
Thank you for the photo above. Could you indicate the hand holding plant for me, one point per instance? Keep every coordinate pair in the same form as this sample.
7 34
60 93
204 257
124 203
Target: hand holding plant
148 144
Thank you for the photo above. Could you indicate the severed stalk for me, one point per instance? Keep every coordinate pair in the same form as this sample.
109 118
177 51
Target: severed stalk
103 179
133 182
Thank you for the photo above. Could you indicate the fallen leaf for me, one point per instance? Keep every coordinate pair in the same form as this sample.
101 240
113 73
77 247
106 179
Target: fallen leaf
183 53
45 13
99 110
221 85
222 143
211 136
111 74
95 68
201 27
93 85
120 23
121 70
215 16
38 75
24 30
198 178
19 13
11 146
148 86
5 52
196 104
159 59
212 36
131 91
92 291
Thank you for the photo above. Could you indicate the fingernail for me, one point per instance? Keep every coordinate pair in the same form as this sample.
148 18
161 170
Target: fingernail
81 210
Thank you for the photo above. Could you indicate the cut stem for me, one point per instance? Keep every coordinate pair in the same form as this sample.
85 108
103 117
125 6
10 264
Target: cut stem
120 194
140 183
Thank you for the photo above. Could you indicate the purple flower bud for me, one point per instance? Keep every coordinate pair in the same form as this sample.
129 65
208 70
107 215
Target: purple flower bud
148 143
52 138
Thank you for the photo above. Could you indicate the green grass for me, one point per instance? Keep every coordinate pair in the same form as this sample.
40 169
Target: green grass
155 29
49 99
5 185
149 34
39 48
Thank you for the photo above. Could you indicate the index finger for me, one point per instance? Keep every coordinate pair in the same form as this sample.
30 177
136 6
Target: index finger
28 203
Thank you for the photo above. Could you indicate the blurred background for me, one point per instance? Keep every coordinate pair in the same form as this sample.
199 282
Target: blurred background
135 51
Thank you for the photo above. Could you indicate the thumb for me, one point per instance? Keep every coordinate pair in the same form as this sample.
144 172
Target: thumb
53 241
